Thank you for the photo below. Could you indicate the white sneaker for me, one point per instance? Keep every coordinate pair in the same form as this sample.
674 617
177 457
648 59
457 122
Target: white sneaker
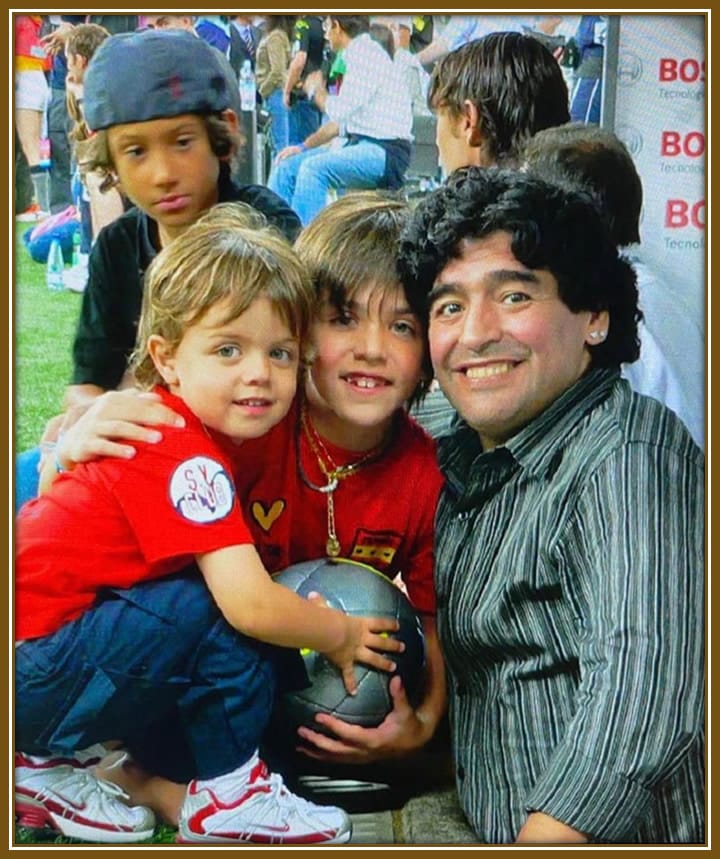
253 806
51 793
32 214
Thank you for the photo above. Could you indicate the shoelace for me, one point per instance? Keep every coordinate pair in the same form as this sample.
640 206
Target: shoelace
286 799
83 786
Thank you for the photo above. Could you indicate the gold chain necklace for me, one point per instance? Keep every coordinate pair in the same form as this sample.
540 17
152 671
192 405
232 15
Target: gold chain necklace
333 472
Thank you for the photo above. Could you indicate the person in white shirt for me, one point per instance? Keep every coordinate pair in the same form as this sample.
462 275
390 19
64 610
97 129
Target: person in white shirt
461 29
372 112
415 77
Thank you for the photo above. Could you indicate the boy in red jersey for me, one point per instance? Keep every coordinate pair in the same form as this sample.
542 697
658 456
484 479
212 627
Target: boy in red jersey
112 635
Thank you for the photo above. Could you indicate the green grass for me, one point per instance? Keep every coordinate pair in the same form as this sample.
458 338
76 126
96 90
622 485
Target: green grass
43 334
163 835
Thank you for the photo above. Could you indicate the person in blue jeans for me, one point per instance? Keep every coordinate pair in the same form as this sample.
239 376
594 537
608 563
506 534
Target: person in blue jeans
271 67
586 97
372 112
308 55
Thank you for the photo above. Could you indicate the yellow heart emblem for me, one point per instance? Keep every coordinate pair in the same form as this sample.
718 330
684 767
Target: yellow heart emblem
266 518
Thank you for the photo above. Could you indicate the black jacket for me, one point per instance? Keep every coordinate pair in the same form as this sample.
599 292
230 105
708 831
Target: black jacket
106 330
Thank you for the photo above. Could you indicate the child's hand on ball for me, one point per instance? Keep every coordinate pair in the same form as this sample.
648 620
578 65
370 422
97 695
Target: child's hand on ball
366 639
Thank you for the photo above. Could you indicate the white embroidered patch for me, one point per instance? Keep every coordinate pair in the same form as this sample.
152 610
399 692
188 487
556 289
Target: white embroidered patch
201 490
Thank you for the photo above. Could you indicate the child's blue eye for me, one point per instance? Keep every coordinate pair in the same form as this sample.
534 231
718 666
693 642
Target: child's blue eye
228 351
282 354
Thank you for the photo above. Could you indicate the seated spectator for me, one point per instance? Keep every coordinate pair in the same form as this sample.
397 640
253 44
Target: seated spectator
372 111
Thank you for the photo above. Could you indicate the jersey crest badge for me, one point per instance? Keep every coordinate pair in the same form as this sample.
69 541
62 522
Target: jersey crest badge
201 491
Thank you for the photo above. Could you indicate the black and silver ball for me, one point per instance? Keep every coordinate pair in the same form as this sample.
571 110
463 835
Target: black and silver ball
357 590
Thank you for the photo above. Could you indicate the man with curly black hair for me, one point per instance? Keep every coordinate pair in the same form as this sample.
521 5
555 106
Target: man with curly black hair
570 532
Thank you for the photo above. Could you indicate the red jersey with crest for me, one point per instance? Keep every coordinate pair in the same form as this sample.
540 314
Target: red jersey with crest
116 522
384 512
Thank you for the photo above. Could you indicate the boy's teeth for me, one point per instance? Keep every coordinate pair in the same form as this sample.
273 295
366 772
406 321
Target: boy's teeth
488 370
366 383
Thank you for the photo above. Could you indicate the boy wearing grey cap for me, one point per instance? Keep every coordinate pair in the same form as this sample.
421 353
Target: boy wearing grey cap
158 104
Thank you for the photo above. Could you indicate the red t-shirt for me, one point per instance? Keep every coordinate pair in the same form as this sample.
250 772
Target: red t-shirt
384 513
116 522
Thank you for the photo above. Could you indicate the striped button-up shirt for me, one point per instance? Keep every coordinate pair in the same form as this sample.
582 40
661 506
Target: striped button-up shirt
570 587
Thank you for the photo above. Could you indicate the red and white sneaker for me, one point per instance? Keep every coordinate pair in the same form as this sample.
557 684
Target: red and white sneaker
31 214
56 793
253 806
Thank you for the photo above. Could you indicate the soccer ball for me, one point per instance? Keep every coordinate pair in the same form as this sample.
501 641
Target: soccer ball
357 590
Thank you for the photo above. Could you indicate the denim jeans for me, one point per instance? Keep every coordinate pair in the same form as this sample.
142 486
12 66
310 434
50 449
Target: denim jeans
586 100
159 649
279 127
26 476
304 180
304 120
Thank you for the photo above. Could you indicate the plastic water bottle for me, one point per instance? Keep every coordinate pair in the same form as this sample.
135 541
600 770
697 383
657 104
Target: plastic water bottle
247 87
55 270
76 247
45 160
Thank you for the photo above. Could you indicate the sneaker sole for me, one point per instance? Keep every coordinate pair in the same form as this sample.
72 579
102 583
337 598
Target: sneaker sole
184 837
208 839
34 815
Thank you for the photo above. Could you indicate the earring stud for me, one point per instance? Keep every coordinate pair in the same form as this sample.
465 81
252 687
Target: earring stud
598 335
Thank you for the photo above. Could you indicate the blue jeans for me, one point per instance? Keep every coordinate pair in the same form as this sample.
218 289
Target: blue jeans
26 476
305 119
279 127
304 180
160 649
586 100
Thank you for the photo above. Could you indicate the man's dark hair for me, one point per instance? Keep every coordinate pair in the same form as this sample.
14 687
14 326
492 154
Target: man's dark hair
551 228
353 25
514 82
589 157
384 37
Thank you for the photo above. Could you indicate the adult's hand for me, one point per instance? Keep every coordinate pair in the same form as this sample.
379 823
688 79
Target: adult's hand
55 42
401 733
287 152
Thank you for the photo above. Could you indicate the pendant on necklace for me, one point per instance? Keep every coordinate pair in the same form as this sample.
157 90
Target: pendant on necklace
331 486
333 547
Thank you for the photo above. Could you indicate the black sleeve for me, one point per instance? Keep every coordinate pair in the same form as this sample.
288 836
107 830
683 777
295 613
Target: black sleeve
107 325
275 209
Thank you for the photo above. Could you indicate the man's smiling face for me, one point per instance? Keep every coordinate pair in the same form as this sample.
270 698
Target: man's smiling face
503 344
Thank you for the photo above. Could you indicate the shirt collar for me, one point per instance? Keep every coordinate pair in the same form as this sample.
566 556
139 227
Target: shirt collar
536 446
